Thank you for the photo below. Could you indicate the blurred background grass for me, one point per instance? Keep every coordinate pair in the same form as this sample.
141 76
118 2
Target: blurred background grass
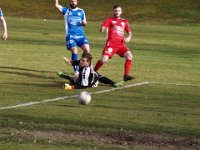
155 11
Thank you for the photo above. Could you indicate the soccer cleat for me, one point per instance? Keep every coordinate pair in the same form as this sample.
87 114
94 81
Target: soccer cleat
128 77
62 75
118 84
67 61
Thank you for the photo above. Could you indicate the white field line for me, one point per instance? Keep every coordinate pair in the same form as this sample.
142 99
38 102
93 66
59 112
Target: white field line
178 84
72 96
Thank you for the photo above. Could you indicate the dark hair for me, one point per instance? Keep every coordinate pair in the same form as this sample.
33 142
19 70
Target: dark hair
116 6
87 55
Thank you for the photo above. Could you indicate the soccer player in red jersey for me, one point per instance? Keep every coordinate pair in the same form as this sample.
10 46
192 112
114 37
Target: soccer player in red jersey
115 27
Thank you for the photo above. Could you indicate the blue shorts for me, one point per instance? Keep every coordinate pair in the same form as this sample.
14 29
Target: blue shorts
74 41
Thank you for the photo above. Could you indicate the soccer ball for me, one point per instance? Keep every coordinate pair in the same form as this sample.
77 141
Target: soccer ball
84 98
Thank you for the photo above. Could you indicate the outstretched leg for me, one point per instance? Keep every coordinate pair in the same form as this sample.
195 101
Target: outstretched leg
106 80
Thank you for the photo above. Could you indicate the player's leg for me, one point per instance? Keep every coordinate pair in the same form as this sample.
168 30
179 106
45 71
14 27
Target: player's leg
63 75
72 79
127 66
72 46
125 53
108 53
106 80
86 48
74 51
84 44
101 62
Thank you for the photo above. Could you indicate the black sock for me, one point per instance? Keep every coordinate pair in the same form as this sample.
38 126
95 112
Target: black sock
106 80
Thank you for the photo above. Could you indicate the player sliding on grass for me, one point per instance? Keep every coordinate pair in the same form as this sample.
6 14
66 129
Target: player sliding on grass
115 27
87 76
3 22
75 19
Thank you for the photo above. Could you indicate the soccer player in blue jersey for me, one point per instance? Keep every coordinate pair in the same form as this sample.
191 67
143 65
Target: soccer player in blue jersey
75 20
3 22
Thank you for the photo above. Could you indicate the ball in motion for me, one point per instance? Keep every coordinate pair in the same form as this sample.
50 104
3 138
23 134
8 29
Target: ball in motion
84 98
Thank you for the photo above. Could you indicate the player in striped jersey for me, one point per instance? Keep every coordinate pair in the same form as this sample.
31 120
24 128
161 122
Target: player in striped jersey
87 76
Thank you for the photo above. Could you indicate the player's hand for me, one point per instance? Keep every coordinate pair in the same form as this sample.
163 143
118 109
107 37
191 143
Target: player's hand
68 87
126 40
5 36
84 22
67 61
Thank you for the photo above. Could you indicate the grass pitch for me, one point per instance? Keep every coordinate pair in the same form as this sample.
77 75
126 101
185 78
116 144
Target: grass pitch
163 114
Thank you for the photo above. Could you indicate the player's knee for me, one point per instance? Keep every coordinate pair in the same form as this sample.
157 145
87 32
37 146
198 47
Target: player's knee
103 60
128 55
86 48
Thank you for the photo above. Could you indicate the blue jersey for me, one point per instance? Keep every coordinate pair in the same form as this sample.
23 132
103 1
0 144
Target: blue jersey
1 13
73 21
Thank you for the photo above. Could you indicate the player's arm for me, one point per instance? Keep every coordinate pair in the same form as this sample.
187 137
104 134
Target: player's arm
84 22
102 29
5 33
128 38
129 33
58 6
105 25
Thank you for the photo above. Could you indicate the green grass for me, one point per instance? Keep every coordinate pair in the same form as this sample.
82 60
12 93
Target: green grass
123 119
155 11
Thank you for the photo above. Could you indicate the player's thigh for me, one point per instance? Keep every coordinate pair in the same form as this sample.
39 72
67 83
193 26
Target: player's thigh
84 44
104 58
128 55
124 52
86 48
109 51
70 43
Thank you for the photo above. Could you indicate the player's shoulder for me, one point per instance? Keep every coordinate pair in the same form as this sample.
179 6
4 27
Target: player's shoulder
122 19
109 19
79 9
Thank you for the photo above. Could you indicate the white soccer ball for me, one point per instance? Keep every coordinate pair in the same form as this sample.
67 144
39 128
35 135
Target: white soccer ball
84 98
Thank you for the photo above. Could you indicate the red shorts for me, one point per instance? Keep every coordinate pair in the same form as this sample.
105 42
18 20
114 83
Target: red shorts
111 48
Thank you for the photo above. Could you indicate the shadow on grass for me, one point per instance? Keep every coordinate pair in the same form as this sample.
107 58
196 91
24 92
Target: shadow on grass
23 69
28 74
31 73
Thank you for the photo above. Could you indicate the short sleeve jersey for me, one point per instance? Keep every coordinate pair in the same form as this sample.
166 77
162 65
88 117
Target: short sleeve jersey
1 13
73 21
116 28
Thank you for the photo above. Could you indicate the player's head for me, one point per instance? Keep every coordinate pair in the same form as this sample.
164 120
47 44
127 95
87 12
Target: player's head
73 3
117 11
85 60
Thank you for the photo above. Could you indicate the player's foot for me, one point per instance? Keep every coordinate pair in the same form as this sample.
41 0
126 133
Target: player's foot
118 84
128 77
62 75
67 61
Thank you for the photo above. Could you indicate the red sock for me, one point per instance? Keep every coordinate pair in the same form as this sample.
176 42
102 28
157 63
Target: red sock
127 66
98 65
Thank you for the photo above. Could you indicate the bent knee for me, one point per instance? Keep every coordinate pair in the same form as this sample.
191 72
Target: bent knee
128 55
104 59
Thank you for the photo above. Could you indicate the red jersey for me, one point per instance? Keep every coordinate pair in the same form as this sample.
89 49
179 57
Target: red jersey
116 28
